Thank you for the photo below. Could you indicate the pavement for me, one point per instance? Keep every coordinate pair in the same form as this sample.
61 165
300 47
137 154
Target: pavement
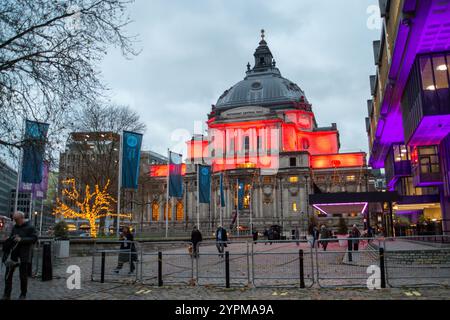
275 265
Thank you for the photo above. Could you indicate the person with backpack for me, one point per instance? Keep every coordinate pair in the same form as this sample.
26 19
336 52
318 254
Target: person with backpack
196 238
221 239
16 253
324 234
127 251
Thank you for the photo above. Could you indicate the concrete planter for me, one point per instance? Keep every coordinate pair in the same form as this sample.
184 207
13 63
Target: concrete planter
62 248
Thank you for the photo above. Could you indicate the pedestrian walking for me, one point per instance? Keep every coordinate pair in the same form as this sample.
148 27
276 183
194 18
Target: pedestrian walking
196 238
255 235
315 235
266 235
324 234
127 251
356 234
221 240
297 236
16 253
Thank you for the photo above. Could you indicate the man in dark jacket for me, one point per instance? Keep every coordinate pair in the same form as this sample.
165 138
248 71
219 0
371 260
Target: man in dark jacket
196 237
221 239
23 237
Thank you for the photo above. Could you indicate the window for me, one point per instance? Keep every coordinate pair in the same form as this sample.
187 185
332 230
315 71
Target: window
427 74
400 153
293 162
351 178
428 159
294 206
293 179
440 72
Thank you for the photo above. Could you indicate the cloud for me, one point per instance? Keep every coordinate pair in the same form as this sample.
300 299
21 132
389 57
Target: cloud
194 50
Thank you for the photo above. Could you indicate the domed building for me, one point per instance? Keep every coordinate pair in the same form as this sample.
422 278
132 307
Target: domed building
263 138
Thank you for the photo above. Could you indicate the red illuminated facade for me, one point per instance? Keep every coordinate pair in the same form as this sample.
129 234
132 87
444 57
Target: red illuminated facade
263 133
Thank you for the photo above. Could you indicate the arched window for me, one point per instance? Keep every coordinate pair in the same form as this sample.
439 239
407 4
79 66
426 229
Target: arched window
155 211
170 211
179 211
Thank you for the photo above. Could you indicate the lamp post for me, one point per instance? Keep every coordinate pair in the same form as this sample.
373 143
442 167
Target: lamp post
307 203
35 219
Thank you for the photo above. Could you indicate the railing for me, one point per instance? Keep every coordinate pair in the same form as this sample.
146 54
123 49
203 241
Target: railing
349 262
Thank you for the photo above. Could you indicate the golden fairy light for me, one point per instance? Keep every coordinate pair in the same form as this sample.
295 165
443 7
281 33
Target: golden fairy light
95 205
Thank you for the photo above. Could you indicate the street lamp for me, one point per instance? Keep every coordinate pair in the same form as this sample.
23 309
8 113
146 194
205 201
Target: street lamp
35 219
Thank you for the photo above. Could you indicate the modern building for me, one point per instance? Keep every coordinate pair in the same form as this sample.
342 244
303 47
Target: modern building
264 138
8 181
409 114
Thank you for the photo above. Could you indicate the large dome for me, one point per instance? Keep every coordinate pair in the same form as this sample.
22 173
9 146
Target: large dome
263 85
261 89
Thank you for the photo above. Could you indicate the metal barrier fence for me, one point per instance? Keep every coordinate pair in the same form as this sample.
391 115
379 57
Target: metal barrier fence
166 263
230 268
344 263
110 263
293 263
430 267
283 264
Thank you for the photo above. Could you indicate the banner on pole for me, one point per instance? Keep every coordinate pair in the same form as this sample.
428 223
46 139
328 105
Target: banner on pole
39 190
33 151
204 182
222 194
131 156
175 175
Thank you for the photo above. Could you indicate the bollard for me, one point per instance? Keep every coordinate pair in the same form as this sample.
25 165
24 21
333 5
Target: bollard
102 274
227 269
47 270
302 272
382 270
160 278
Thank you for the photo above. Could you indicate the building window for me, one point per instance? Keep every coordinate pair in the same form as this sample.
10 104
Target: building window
293 179
267 180
351 178
428 159
155 211
294 206
293 162
400 153
180 211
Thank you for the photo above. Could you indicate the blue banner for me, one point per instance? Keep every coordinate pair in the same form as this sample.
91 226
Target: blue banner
33 151
175 175
222 194
131 156
204 183
241 191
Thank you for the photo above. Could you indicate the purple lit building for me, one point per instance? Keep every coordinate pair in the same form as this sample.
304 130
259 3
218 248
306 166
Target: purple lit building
409 113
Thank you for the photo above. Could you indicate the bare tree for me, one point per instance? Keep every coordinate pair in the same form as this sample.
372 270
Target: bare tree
49 55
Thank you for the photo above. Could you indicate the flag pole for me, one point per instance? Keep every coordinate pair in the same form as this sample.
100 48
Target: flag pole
40 222
198 197
119 184
237 208
167 194
19 171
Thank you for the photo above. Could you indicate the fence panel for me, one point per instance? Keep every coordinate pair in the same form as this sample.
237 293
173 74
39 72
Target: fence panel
342 264
105 262
278 265
418 267
211 264
176 263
